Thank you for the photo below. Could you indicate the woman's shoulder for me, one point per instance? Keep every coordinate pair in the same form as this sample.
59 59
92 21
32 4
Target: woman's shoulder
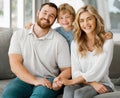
74 44
108 43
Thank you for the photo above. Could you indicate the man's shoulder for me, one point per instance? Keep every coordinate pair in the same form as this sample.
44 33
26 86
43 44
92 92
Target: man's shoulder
57 35
21 32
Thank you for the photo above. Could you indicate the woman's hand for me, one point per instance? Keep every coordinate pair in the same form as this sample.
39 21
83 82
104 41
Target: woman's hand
67 81
100 88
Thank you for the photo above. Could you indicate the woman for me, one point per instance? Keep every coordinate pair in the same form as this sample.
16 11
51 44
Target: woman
91 55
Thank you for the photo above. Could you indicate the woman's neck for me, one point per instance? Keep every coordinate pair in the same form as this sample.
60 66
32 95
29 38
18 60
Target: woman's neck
91 42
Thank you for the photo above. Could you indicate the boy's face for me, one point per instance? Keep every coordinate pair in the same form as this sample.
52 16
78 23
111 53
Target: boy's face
65 20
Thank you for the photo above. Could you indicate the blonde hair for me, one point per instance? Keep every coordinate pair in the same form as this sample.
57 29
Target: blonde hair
66 8
80 36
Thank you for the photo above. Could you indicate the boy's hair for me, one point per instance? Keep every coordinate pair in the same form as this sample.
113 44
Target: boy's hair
65 7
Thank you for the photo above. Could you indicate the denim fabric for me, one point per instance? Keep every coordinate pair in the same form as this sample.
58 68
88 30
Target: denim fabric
20 89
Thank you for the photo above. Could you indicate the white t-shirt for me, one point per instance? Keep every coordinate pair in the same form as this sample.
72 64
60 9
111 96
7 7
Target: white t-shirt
44 56
93 67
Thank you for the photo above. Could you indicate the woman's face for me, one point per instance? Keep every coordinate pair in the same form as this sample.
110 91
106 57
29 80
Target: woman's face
87 22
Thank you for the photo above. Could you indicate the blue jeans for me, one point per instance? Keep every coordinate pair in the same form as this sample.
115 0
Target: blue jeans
20 89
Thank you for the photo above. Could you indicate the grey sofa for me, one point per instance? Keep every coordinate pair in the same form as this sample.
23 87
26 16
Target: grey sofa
6 75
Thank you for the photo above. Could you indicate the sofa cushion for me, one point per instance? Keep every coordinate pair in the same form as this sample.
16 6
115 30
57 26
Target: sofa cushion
116 81
109 95
115 65
5 36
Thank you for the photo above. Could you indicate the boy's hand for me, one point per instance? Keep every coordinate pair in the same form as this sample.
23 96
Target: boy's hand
28 26
108 35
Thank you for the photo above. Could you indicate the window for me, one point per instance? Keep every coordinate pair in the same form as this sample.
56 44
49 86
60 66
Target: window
1 12
114 12
28 11
16 13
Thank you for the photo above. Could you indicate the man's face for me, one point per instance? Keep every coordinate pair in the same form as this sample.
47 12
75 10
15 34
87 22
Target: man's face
46 17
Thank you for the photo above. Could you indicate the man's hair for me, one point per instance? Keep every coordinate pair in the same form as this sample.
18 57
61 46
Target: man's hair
50 4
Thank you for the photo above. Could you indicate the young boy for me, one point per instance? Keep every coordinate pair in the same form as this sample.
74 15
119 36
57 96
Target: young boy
66 16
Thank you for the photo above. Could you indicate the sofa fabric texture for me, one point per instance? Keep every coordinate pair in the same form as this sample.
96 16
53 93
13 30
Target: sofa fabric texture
6 75
5 36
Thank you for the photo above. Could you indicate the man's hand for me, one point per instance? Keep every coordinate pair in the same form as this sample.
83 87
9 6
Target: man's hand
57 83
43 82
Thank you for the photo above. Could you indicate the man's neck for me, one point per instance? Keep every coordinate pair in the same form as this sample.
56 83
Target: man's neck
39 32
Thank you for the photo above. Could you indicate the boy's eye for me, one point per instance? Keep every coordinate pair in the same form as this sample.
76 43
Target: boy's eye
67 16
60 17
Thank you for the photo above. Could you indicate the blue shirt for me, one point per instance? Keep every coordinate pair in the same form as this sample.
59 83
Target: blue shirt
68 35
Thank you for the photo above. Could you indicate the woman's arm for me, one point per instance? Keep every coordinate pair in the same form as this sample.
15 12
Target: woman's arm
101 65
76 70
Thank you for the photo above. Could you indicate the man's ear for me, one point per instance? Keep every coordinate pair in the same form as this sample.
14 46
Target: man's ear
38 11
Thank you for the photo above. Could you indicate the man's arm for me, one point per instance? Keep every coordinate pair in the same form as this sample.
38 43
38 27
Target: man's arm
17 67
65 73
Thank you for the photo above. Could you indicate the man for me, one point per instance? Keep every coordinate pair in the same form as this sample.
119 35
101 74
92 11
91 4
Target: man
39 57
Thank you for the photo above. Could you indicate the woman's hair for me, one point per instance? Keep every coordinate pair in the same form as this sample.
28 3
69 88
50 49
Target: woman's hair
80 36
66 8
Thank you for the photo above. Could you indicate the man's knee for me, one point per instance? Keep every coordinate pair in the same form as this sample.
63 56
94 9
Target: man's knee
43 92
8 94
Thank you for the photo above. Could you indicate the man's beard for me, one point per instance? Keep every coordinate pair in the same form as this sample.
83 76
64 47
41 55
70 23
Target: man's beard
44 25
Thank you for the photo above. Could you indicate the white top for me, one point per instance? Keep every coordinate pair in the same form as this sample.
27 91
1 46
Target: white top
41 56
93 67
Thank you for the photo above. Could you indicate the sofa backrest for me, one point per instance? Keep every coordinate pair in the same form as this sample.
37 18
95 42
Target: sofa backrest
5 36
115 65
